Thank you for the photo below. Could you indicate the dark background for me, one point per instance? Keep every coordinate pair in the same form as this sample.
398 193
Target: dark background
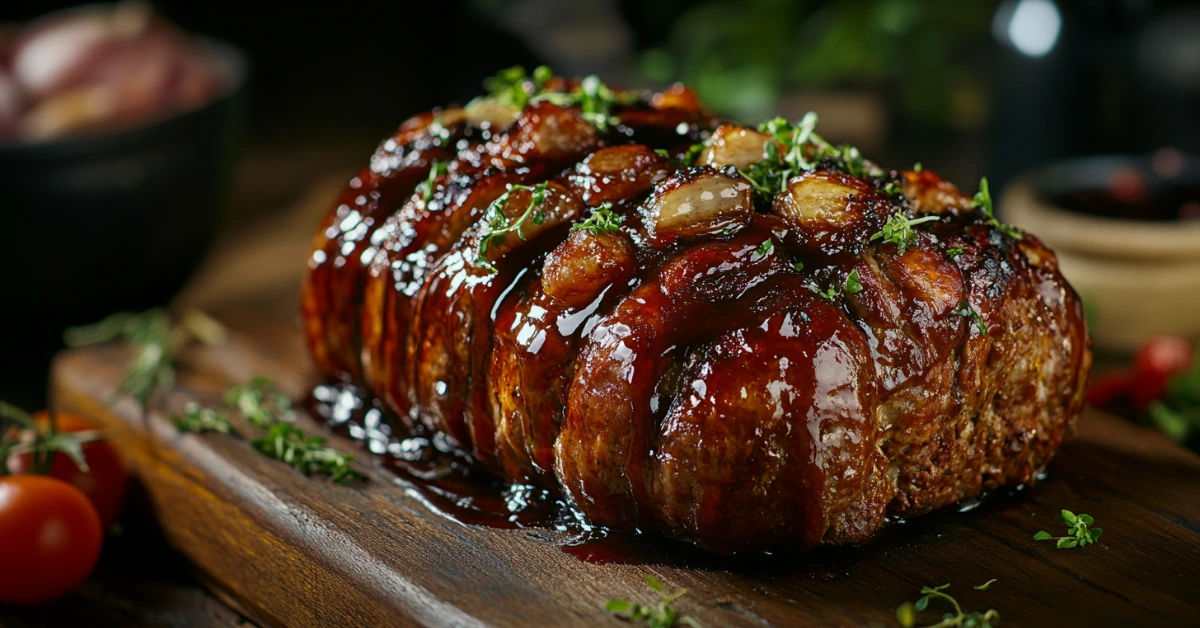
940 82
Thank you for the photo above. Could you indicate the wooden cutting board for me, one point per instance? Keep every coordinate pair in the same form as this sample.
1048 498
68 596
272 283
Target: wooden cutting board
292 551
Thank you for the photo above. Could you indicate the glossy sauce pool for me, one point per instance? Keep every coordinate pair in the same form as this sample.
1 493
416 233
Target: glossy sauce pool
451 486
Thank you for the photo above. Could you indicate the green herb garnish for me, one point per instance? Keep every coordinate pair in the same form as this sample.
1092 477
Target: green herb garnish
693 153
799 266
966 311
983 200
917 167
157 343
306 454
830 294
198 419
426 187
513 88
770 176
765 249
261 404
953 253
853 286
499 226
1080 532
662 616
892 188
906 614
898 230
602 220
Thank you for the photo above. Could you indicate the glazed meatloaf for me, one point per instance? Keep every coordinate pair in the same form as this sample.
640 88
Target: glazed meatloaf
743 336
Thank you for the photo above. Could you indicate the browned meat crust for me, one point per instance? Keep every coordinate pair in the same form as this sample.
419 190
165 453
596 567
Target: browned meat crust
744 372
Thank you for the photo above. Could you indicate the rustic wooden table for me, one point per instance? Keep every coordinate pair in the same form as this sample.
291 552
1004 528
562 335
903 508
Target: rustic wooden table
286 550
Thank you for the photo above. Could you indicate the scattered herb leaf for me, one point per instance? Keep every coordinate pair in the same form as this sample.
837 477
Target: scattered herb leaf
198 419
799 266
499 226
984 586
426 187
906 614
983 200
966 311
853 286
954 252
1079 531
157 343
766 248
260 403
899 230
602 220
661 616
306 454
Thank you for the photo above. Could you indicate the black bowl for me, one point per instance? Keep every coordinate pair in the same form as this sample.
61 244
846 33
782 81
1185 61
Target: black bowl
112 221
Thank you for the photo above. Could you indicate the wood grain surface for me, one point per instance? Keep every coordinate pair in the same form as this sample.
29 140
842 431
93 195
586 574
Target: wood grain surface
289 550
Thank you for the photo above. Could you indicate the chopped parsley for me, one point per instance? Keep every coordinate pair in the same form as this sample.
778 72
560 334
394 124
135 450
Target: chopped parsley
983 200
954 252
799 266
602 220
829 294
898 230
499 226
853 285
765 249
892 188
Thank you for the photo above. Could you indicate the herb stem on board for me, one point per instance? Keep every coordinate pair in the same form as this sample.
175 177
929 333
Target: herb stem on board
156 343
1079 529
906 614
661 616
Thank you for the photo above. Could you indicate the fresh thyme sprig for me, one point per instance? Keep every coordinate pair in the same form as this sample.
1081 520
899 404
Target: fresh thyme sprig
662 616
306 454
899 230
198 419
906 614
426 187
965 310
983 200
157 343
602 220
1080 532
499 226
784 156
261 404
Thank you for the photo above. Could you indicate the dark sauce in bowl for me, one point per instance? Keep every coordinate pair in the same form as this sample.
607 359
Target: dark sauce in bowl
1164 187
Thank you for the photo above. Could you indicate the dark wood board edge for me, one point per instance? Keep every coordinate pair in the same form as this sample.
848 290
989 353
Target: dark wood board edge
306 553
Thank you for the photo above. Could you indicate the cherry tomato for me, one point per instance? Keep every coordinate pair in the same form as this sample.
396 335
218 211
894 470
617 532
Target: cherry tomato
1157 360
1106 389
106 481
50 535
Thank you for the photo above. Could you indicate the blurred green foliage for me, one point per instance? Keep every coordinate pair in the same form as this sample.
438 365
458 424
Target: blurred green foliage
742 55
